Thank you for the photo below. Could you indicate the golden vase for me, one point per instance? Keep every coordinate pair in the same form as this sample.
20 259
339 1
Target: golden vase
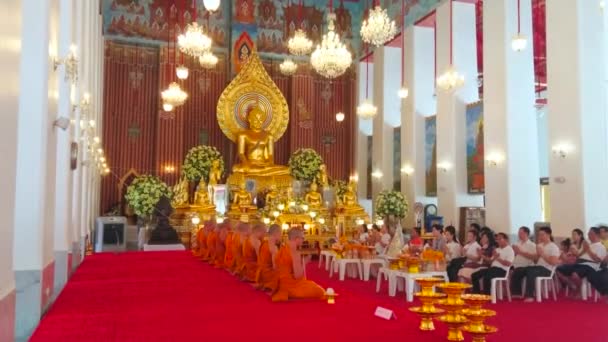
453 306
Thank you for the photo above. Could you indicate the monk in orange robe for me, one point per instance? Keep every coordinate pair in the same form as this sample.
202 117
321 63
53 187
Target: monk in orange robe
220 245
229 257
244 230
267 276
211 243
201 238
251 248
196 248
292 282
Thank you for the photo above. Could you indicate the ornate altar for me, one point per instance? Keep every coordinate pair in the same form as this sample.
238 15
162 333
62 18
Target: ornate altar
253 113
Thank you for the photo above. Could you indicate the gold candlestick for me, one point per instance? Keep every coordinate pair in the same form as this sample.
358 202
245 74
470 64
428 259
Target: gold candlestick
427 297
453 306
477 315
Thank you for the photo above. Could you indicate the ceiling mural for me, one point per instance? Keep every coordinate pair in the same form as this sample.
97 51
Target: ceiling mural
267 23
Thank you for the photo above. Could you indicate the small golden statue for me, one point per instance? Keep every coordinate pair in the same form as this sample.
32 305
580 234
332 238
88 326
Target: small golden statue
272 194
256 147
215 175
180 193
322 176
313 197
201 196
348 202
242 201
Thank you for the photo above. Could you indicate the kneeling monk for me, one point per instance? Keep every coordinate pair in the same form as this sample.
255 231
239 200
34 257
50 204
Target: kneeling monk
267 276
211 243
220 245
292 282
251 247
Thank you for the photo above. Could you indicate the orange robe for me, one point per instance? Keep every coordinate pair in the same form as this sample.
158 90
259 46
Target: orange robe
250 261
211 245
201 239
266 277
229 256
289 286
237 254
220 252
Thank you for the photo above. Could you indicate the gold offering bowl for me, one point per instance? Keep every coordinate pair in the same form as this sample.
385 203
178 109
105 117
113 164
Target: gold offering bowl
475 301
480 336
453 306
413 264
477 315
427 297
394 263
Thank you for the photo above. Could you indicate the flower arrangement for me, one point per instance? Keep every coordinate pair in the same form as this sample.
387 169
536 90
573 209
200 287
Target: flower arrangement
144 192
431 255
304 164
340 187
391 203
198 162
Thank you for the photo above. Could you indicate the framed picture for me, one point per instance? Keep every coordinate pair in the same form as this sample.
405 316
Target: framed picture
475 150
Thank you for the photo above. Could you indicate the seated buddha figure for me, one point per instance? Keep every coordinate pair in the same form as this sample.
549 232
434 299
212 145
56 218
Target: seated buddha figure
201 196
180 194
242 200
313 197
348 201
272 195
255 148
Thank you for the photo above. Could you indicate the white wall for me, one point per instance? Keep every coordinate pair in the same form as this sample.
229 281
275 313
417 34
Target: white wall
10 54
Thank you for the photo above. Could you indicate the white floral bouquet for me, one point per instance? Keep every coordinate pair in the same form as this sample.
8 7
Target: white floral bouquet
198 162
144 192
304 164
340 186
391 203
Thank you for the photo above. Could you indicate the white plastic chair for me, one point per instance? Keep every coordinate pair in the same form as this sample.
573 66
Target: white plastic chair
329 255
497 286
587 290
541 286
341 265
388 275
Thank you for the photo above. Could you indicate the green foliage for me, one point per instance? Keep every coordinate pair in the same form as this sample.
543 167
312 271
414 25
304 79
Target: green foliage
304 164
144 192
391 203
198 162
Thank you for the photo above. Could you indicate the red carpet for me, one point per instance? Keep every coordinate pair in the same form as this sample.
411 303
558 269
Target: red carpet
170 296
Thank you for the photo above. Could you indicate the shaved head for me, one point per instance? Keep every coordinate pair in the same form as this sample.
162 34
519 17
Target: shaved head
243 227
295 233
259 228
274 228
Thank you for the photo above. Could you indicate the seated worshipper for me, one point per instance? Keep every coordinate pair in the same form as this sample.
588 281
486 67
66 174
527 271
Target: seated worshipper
362 234
547 254
374 235
453 253
220 245
476 227
211 243
438 242
525 255
229 256
565 257
385 240
587 264
502 259
251 247
483 254
243 230
201 237
267 276
599 279
604 236
416 241
292 282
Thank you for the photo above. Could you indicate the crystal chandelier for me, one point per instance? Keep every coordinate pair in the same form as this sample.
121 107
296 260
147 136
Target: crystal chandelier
367 110
403 92
288 67
331 58
174 95
208 60
167 107
450 80
194 42
299 44
211 5
378 28
181 72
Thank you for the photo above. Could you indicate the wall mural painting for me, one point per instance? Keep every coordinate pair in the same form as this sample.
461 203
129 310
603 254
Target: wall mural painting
430 155
242 50
475 150
148 21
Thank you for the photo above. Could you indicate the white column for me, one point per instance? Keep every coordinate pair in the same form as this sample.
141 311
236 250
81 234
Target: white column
10 55
451 146
510 129
419 70
576 115
386 60
364 128
63 180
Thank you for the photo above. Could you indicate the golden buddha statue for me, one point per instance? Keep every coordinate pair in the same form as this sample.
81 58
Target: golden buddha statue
322 177
272 194
215 174
313 197
256 147
201 196
348 202
242 200
180 193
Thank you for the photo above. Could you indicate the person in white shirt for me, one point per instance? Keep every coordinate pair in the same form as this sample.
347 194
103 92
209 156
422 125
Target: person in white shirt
588 263
385 240
525 250
502 259
547 258
362 235
472 252
452 249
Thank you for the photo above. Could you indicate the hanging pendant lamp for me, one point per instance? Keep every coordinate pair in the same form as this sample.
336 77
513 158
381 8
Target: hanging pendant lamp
451 79
366 110
403 92
519 41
